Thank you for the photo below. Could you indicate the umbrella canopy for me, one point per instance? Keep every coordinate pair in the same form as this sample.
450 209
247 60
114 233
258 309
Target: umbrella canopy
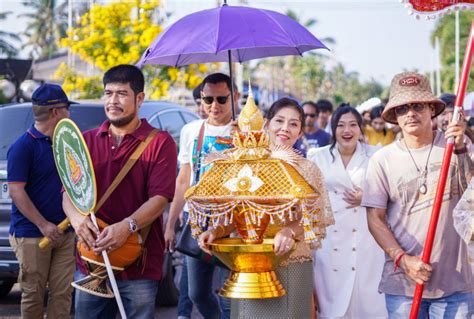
248 33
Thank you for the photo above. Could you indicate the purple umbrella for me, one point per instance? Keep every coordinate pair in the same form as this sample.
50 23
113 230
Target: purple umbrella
229 33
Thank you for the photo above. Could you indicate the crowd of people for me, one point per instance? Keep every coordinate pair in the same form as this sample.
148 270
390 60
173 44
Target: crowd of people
377 174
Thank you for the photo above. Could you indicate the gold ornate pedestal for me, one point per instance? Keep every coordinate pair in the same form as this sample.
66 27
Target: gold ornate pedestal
252 275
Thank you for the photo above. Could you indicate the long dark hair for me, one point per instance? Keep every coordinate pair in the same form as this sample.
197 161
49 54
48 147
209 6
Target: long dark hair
283 103
336 117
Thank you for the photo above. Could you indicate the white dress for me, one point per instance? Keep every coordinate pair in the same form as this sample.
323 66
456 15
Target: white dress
348 266
463 215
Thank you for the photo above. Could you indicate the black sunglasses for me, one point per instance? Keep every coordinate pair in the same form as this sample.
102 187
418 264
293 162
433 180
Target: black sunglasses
310 115
403 109
210 99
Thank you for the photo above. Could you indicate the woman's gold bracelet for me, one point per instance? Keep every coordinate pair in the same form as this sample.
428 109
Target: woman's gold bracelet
293 235
217 229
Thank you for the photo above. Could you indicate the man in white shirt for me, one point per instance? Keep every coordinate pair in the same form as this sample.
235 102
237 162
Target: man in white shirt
213 134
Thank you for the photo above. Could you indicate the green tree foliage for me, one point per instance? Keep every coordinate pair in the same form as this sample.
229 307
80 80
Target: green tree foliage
118 33
309 77
6 47
346 87
311 22
445 31
47 23
340 86
3 99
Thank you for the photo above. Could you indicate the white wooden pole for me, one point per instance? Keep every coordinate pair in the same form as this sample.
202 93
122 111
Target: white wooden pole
456 81
433 69
69 26
110 272
438 67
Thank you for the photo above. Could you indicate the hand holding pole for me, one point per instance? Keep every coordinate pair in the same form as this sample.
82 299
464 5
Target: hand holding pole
44 242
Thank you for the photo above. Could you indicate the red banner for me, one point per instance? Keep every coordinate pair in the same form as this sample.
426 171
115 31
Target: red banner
438 6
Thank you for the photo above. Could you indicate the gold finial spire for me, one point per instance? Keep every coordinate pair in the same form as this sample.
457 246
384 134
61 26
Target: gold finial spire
250 119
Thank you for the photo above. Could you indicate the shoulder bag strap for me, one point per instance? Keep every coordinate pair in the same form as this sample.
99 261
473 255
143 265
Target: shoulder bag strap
124 171
197 160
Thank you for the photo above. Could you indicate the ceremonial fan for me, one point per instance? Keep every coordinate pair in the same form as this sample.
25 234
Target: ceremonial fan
76 171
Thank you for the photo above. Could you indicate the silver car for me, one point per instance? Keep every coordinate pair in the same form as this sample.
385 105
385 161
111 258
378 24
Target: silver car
15 119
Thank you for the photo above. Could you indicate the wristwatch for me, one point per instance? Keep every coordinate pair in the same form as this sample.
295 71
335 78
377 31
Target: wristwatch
132 225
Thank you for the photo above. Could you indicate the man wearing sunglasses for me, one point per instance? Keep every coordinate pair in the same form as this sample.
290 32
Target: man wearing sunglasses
313 136
198 139
35 189
399 192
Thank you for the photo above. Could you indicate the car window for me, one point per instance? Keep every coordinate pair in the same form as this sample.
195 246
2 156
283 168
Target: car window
156 123
189 117
14 121
87 117
172 122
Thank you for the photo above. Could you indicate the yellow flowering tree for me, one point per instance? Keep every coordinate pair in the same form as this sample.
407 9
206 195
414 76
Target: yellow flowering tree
118 33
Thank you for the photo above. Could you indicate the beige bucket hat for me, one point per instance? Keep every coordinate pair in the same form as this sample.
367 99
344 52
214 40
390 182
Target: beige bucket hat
406 88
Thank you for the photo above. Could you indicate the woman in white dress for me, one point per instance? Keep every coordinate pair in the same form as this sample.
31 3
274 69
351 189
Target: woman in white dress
348 267
463 215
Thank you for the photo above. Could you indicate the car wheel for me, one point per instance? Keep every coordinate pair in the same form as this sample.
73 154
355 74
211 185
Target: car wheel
6 286
168 293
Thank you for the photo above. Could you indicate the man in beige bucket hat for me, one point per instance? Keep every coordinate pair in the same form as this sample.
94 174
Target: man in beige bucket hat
399 191
410 88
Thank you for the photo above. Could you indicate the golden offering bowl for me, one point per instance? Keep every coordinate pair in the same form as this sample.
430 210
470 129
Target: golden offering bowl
252 275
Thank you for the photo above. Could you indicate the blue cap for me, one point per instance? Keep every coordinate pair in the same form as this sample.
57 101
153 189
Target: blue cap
50 95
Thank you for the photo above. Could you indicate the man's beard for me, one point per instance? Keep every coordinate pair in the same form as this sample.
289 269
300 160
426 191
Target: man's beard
124 120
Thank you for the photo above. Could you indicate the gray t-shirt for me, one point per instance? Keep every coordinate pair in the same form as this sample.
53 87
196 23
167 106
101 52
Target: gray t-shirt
392 183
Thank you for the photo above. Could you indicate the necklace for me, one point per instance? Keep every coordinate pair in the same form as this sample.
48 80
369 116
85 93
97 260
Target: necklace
119 138
422 174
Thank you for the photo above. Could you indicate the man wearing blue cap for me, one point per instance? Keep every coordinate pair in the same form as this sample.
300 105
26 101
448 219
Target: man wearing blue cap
35 189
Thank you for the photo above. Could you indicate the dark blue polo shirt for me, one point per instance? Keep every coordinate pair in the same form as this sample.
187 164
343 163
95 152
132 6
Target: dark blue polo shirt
30 161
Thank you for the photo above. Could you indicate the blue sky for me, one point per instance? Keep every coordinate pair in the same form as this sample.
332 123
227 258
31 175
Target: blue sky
376 38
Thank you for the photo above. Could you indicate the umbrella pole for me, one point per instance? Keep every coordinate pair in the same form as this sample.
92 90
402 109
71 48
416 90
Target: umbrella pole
231 85
444 171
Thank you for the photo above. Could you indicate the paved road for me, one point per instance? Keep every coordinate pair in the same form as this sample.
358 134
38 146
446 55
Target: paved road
10 307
